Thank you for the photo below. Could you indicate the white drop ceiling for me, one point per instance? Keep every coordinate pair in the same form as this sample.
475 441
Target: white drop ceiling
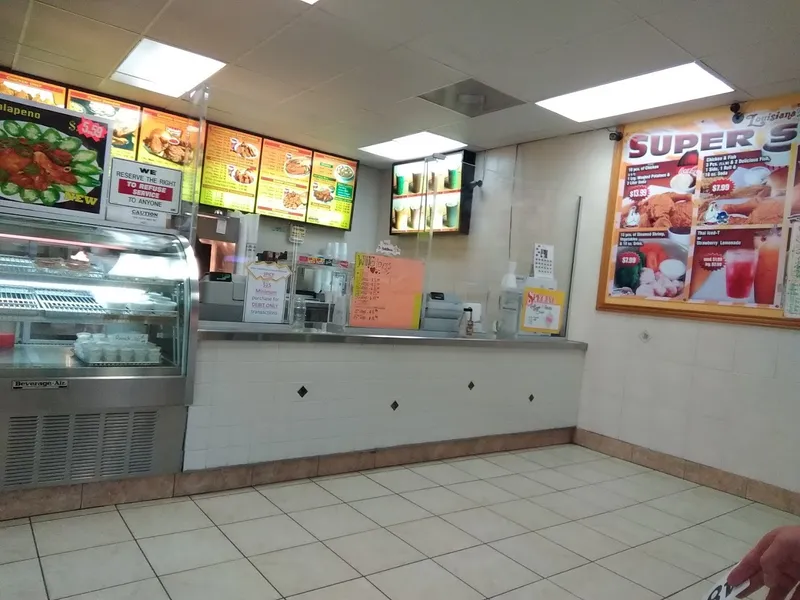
346 73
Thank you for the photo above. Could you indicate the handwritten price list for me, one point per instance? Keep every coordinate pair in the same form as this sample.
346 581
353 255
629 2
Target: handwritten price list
791 303
387 292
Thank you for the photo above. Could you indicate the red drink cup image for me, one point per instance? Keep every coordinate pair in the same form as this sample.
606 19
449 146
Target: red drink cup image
740 272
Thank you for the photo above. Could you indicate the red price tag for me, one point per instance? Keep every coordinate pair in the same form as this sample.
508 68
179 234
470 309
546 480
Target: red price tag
721 187
90 129
629 259
712 262
638 192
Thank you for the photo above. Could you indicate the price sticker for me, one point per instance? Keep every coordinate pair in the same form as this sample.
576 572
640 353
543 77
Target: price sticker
637 193
713 261
722 187
629 259
723 591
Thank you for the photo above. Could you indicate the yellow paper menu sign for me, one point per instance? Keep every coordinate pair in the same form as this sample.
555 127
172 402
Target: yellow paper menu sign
542 310
387 292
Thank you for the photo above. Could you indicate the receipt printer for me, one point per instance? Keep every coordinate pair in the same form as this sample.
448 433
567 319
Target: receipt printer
441 312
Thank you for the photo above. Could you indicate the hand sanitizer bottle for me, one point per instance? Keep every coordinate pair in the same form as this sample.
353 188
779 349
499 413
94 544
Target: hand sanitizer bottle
510 298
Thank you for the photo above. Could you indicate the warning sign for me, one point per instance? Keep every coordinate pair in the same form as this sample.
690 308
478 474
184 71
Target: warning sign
145 187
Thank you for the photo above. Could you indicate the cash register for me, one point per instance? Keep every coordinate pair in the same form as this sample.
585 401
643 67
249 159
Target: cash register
222 297
441 312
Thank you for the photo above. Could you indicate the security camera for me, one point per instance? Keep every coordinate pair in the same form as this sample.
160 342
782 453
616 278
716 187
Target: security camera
738 115
615 136
473 184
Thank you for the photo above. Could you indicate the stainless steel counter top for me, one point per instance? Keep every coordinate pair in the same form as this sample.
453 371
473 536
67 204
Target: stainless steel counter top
254 332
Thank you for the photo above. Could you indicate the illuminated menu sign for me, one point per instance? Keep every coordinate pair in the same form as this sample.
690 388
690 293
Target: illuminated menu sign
25 88
330 201
169 140
284 180
230 169
426 196
125 116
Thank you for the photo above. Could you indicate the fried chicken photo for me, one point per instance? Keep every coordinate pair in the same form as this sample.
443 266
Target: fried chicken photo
768 212
666 210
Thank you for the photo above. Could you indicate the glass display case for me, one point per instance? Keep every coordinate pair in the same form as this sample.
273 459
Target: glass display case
97 339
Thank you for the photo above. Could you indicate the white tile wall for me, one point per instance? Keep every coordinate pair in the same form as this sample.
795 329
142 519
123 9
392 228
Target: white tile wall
246 407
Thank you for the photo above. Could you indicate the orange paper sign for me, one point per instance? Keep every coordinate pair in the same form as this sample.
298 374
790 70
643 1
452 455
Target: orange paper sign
387 292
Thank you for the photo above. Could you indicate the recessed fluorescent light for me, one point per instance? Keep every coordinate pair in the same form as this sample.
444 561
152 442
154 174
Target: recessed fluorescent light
661 88
164 69
416 145
310 1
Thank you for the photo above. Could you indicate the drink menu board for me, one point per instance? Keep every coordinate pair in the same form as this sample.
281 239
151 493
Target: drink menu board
230 169
284 180
126 117
699 221
169 140
387 292
32 90
330 201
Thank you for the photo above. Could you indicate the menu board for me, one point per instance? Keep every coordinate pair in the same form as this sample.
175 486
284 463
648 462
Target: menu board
284 180
426 196
230 169
330 201
700 218
169 140
387 292
33 90
125 116
52 159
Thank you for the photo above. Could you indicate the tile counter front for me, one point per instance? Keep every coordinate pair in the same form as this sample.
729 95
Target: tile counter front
262 401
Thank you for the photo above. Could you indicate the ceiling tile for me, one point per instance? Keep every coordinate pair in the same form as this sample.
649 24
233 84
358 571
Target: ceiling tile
12 18
257 87
648 8
778 88
315 48
133 15
601 58
6 59
75 42
8 48
514 29
135 94
57 73
416 114
224 29
752 65
733 22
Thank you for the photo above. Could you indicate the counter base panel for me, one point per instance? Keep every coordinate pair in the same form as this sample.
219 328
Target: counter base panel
56 447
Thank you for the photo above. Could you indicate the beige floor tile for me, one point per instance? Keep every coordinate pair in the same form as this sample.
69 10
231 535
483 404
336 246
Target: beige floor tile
374 551
514 463
750 523
541 590
601 497
484 524
148 589
358 589
586 472
592 582
686 557
390 510
554 479
237 580
539 554
237 507
267 535
304 496
78 533
443 474
528 514
487 570
354 487
93 569
333 521
583 540
714 542
22 581
698 504
84 512
568 506
520 486
422 581
401 480
482 493
188 550
621 529
656 575
483 469
439 500
434 537
653 519
162 519
16 543
303 569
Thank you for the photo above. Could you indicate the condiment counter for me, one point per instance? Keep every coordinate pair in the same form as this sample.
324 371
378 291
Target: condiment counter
261 396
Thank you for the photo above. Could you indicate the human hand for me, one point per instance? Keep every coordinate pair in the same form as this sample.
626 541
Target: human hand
774 562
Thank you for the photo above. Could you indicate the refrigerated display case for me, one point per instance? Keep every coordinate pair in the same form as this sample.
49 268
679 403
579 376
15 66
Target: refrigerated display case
97 343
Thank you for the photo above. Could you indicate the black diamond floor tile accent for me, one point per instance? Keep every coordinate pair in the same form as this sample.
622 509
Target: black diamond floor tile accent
302 392
394 405
471 385
531 397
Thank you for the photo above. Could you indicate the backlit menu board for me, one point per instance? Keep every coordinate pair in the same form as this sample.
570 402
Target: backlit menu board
284 180
126 117
330 201
26 88
230 169
698 223
169 140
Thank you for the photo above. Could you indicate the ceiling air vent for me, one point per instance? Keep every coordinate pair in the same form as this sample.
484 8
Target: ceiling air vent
471 98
